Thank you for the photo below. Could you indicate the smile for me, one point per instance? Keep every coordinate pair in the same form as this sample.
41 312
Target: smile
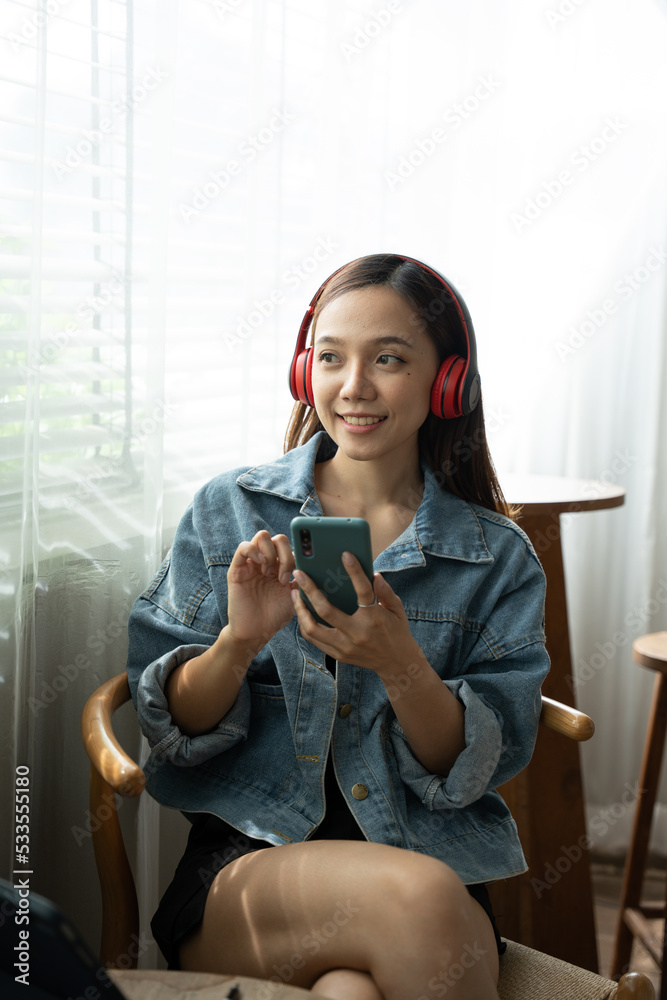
362 421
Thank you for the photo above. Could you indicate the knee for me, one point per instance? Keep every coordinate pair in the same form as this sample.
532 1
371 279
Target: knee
347 984
431 896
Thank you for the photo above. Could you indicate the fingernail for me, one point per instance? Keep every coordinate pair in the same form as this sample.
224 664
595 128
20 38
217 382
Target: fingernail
348 558
284 578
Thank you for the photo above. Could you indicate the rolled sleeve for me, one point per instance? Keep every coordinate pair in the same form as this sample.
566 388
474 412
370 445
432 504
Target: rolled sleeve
497 746
165 739
177 618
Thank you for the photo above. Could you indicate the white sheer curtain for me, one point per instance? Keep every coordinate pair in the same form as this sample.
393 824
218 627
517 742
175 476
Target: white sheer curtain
176 182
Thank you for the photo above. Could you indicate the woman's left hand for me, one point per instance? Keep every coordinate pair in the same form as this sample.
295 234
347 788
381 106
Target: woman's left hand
376 637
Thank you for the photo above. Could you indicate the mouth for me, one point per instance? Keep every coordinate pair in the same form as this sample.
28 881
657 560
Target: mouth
361 421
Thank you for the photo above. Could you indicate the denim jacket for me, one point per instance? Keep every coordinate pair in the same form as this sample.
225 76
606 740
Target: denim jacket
473 592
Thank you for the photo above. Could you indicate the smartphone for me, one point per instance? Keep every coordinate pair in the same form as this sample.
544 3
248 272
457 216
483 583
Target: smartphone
318 544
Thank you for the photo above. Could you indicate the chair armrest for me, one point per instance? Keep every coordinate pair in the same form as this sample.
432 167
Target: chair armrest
105 753
568 721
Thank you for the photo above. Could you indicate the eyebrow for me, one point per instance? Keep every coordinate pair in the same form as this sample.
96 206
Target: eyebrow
376 340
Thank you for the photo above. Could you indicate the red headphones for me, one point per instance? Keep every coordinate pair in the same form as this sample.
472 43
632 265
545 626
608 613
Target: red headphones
456 389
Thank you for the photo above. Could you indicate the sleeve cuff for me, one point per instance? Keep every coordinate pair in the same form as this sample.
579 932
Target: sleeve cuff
474 767
166 740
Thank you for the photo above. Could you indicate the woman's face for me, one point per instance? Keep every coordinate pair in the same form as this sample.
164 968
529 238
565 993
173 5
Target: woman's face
373 368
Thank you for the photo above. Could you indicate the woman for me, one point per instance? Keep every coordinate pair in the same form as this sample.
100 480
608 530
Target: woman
367 752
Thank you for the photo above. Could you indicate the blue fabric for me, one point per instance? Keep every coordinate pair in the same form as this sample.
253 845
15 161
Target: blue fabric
473 591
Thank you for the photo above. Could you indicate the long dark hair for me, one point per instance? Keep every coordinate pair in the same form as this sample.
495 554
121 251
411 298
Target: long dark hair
455 449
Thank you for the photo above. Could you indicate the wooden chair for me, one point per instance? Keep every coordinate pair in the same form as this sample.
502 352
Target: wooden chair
634 915
525 974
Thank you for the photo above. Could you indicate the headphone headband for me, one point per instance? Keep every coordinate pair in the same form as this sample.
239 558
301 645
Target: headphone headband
456 389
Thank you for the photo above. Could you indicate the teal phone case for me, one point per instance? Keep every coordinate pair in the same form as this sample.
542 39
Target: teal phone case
329 538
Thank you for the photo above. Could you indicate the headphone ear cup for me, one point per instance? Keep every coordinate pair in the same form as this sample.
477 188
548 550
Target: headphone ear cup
302 381
445 391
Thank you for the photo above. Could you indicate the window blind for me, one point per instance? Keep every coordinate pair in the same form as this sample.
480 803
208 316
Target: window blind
65 218
157 245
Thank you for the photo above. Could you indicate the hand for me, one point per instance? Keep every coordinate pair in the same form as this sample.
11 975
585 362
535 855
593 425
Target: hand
377 638
258 581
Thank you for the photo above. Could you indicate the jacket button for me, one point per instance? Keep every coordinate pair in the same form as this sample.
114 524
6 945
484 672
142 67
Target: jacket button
359 791
344 711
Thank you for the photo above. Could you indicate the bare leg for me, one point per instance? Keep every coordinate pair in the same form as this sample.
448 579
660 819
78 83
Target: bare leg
347 984
296 912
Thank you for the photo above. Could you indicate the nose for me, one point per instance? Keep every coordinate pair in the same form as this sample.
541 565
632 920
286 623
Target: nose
356 381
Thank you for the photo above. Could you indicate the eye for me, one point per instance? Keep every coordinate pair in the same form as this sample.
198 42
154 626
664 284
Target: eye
327 357
389 359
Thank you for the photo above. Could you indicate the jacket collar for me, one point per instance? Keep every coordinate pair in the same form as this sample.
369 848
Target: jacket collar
443 525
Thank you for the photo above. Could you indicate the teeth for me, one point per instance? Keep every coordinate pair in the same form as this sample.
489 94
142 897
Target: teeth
362 421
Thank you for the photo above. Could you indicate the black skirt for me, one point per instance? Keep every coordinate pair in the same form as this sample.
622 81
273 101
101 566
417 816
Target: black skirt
213 844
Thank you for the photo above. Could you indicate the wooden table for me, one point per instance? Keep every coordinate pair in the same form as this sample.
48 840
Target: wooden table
153 984
550 908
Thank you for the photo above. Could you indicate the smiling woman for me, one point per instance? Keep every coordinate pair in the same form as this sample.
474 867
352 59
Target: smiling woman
373 303
367 750
143 354
371 404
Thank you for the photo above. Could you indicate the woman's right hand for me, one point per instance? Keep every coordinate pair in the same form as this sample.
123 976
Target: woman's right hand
259 601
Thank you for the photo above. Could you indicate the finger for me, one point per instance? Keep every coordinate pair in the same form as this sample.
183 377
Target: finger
269 552
312 630
324 609
303 612
265 547
285 557
363 587
247 551
386 596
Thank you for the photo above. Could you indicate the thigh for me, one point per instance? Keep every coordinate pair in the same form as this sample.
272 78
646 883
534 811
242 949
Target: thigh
296 911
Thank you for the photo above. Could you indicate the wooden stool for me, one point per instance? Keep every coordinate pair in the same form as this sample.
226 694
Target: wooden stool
650 651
